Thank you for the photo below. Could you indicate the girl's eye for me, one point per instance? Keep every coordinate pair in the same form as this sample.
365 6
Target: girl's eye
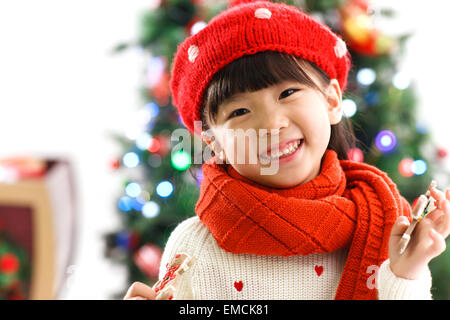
288 90
237 113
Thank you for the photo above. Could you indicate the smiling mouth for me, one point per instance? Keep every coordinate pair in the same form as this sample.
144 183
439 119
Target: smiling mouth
288 150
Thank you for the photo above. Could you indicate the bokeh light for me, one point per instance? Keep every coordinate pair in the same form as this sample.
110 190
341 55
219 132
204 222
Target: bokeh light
125 203
366 76
138 203
419 167
144 141
405 167
401 80
371 98
181 160
164 189
153 109
355 154
150 209
133 189
130 159
349 108
385 141
155 145
197 27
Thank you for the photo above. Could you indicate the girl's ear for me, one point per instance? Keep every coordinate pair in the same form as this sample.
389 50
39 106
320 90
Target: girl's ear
334 100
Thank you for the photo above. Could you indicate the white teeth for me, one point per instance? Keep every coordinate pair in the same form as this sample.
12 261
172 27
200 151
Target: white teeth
289 149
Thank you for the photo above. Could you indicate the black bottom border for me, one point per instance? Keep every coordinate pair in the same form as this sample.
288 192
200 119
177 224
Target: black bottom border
217 309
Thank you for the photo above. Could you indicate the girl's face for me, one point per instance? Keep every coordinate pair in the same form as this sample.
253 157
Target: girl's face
288 111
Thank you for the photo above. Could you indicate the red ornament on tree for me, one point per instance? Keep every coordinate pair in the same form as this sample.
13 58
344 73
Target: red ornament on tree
161 91
363 4
159 145
148 258
355 154
114 164
9 263
405 167
442 153
359 31
134 240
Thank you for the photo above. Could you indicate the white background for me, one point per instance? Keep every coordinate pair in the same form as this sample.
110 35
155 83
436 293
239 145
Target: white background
61 92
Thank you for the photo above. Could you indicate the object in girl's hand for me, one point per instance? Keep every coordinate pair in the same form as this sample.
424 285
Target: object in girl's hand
165 288
424 205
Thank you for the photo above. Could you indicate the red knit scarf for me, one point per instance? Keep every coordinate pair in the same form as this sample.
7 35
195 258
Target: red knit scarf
348 205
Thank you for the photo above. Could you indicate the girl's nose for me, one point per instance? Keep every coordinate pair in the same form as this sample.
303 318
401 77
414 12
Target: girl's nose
275 120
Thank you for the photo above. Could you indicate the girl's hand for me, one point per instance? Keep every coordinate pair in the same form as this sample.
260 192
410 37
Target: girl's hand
140 291
427 241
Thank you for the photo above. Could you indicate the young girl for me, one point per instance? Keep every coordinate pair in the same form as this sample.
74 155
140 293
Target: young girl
319 226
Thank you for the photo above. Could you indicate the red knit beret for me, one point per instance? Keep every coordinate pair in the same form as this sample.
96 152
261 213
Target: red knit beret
244 28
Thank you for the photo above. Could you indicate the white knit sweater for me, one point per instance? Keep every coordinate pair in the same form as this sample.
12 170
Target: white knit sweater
220 275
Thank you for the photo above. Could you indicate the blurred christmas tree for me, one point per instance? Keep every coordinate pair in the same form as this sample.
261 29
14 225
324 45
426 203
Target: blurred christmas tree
380 101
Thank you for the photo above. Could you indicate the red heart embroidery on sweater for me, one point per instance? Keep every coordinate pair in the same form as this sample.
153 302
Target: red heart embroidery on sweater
238 285
319 270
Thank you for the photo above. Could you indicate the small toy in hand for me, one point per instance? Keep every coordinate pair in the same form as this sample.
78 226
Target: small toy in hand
165 288
424 205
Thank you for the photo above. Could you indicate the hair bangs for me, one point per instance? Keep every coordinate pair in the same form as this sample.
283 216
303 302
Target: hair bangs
255 72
